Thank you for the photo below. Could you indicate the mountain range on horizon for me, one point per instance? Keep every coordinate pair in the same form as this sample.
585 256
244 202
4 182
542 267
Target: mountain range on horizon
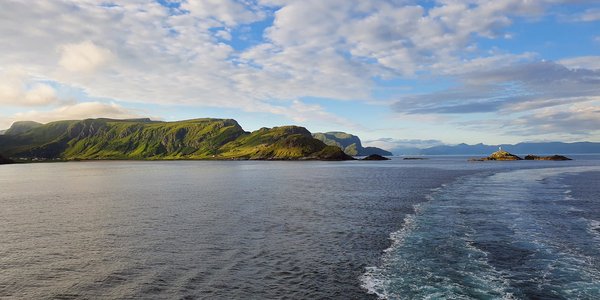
523 148
348 143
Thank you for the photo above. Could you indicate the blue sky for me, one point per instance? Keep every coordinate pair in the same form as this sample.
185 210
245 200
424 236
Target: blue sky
396 73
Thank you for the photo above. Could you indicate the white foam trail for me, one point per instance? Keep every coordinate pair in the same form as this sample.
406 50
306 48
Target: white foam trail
485 279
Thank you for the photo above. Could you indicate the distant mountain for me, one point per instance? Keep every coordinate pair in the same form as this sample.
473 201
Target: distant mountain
351 144
520 148
21 127
146 139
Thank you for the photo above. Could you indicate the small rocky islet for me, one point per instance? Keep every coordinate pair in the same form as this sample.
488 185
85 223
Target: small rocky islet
502 155
375 157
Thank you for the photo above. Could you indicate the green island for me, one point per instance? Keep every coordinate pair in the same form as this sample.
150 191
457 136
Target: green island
144 139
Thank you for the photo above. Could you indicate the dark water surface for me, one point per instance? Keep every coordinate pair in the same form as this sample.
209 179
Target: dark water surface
299 230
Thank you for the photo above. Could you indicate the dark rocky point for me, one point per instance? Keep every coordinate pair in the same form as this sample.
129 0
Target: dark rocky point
375 157
4 160
551 157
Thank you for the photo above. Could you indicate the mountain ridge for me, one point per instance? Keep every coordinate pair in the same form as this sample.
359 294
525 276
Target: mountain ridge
349 143
204 138
520 148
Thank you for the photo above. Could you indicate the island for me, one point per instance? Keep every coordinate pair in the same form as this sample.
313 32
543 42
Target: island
502 155
145 139
375 157
499 155
551 157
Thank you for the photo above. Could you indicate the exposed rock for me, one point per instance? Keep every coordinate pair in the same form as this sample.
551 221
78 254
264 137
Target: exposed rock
551 157
414 158
4 160
375 157
332 153
499 155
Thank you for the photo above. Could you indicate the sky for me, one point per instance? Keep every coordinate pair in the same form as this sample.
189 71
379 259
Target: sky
394 72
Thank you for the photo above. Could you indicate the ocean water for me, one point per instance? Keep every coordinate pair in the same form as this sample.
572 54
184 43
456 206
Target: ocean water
437 228
523 233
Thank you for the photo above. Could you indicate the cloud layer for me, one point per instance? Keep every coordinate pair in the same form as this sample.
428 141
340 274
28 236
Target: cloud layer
270 55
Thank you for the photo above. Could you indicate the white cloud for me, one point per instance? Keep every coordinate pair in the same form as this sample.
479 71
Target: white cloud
590 15
17 88
140 51
570 122
226 12
84 57
77 111
582 62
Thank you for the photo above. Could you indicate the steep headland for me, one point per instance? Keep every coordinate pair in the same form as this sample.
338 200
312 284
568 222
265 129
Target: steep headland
351 144
146 139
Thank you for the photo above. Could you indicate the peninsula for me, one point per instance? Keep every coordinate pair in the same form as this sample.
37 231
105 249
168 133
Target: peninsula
350 143
144 139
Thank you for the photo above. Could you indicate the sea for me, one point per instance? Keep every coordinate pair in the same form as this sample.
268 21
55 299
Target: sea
437 228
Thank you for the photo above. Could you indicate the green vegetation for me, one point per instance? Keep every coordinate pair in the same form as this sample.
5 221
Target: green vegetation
21 127
146 139
351 144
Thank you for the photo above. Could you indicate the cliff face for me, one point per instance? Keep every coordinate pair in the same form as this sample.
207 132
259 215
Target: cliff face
145 139
351 144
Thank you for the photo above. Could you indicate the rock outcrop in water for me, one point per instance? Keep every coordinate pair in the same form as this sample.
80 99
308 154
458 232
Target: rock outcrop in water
146 139
499 155
375 157
551 157
503 155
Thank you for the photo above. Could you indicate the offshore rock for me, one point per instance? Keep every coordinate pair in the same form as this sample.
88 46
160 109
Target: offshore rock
551 157
375 157
499 155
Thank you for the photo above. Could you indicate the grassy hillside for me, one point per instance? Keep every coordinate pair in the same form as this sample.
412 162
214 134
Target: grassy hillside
21 127
351 144
146 139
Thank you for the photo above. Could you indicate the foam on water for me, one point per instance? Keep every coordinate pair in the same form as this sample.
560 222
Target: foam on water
506 235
